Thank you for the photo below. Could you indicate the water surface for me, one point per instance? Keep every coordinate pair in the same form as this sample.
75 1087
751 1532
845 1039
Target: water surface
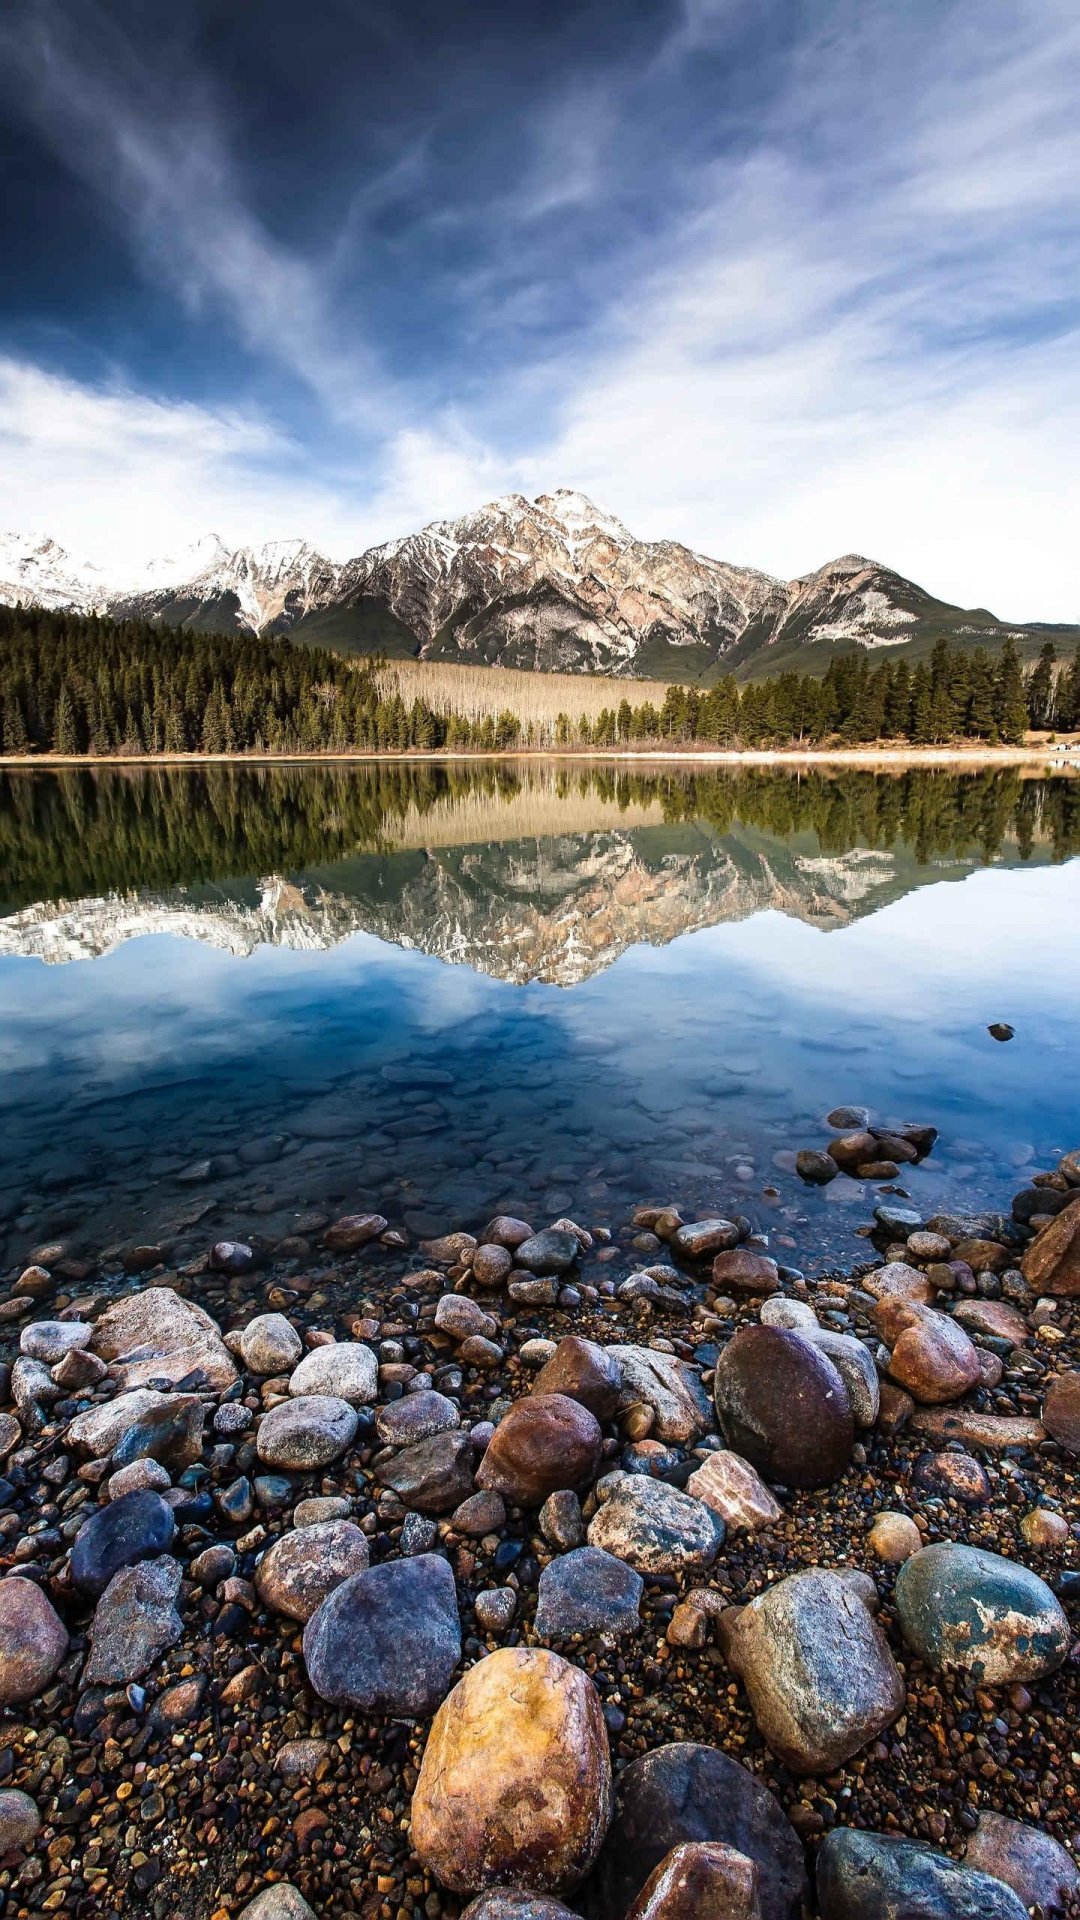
231 996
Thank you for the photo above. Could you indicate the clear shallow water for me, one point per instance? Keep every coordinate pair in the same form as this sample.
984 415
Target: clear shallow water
544 989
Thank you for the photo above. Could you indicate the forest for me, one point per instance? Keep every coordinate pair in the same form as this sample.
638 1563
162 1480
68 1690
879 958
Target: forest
75 685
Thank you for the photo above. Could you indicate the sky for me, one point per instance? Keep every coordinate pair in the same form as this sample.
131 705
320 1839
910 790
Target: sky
783 279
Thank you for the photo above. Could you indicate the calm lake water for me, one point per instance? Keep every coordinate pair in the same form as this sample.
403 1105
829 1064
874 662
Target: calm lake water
231 996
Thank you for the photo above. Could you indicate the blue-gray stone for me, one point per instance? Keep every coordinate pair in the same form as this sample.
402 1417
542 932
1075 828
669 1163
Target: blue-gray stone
588 1591
962 1608
552 1251
388 1639
136 1527
879 1876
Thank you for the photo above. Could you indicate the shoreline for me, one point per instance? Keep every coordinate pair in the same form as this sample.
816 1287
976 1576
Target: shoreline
886 757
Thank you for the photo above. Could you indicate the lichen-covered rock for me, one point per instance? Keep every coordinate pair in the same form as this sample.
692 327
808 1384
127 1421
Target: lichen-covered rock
135 1621
515 1783
973 1612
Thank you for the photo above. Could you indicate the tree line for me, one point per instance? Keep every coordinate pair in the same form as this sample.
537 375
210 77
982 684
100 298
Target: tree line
72 684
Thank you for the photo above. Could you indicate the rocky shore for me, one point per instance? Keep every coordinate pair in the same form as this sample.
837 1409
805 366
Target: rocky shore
607 1569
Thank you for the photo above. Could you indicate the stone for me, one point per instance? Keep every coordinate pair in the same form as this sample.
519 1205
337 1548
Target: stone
784 1407
653 1527
546 1441
672 1388
135 1621
347 1370
463 1319
433 1475
509 1903
964 1610
33 1640
686 1793
505 1231
852 1150
931 1355
515 1782
492 1265
51 1340
729 1485
848 1119
792 1315
303 1434
297 1571
451 1249
555 1250
693 1620
387 1640
269 1344
282 1901
231 1256
584 1372
1061 1411
140 1474
743 1271
478 1352
1051 1264
1044 1528
855 1365
137 1526
142 1424
416 1416
701 1238
495 1609
815 1167
817 1668
898 1281
894 1537
879 1876
301 1759
155 1335
952 1476
698 1879
79 1369
995 1431
20 1821
1031 1862
560 1520
481 1513
994 1317
928 1246
353 1231
588 1591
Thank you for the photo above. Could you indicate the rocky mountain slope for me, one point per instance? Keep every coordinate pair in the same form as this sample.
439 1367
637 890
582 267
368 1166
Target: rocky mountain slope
552 584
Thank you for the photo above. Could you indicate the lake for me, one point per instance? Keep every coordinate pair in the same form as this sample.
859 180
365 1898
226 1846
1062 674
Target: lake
233 997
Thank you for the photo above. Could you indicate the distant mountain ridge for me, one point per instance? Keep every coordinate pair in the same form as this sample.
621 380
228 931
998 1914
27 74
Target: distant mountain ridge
552 584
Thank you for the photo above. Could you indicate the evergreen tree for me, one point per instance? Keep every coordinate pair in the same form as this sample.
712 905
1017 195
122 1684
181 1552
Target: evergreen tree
1010 703
65 729
1040 693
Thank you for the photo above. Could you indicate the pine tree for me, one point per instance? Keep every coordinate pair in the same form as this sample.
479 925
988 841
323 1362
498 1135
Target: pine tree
1040 693
1010 704
15 735
65 728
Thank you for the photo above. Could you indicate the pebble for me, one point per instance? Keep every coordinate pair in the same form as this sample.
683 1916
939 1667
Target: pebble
931 1355
855 1365
20 1821
298 1570
269 1344
893 1537
347 1370
560 1520
306 1433
51 1340
387 1640
704 1237
353 1231
280 1902
510 1903
416 1417
495 1609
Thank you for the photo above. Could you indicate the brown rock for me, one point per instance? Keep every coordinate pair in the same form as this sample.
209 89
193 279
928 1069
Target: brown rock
1052 1262
953 1476
897 1281
931 1355
297 1572
894 1537
510 1903
991 1430
1061 1411
33 1640
515 1783
154 1335
742 1271
782 1404
1033 1864
851 1150
584 1372
545 1442
505 1231
701 1880
729 1485
983 1256
353 1231
491 1265
700 1238
895 1409
993 1317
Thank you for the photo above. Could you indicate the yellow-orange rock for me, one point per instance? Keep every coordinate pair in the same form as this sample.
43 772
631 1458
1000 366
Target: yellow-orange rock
515 1784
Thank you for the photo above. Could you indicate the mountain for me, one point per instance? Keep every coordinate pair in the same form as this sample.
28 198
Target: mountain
552 584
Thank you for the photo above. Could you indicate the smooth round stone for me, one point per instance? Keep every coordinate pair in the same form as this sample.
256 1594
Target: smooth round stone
815 1167
852 1150
817 1667
353 1231
1061 1411
741 1270
953 1476
495 1609
416 1417
345 1371
270 1344
306 1433
387 1640
963 1609
20 1821
700 1878
552 1251
297 1572
685 1793
585 1372
587 1591
141 1474
545 1442
508 1903
1044 1528
50 1340
515 1783
894 1537
1033 1864
932 1357
782 1404
878 1876
792 1315
231 1256
848 1119
492 1265
138 1526
654 1527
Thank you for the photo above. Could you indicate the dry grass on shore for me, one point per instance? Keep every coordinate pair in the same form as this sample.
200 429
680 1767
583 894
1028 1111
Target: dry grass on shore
477 693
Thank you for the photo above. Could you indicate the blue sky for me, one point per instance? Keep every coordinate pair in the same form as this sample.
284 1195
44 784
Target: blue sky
782 278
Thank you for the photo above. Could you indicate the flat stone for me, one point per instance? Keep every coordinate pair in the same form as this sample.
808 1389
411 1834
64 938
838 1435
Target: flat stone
140 1474
555 1250
545 1442
433 1475
33 1640
1032 1863
137 1526
135 1622
730 1486
297 1571
353 1231
689 1793
585 1372
702 1877
387 1640
672 1388
303 1434
155 1335
588 1592
784 1407
347 1370
653 1527
270 1344
994 1317
817 1667
879 1876
994 1431
701 1238
964 1610
515 1782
